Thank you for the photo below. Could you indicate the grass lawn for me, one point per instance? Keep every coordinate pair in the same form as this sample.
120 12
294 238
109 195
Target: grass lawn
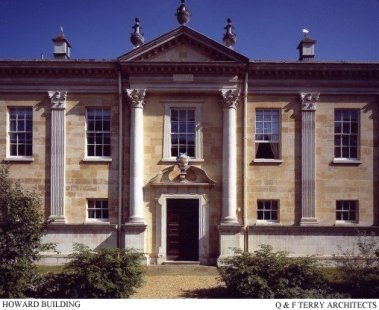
45 269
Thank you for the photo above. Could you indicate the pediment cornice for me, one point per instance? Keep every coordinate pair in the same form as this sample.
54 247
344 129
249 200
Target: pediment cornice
183 68
183 35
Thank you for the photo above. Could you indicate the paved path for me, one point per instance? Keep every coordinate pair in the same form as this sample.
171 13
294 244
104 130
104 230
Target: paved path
181 281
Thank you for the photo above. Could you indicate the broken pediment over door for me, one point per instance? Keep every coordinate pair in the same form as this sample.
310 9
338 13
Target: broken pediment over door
175 176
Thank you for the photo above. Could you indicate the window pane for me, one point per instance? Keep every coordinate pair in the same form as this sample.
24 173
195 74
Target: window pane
353 152
28 150
91 214
91 150
174 139
174 127
182 127
345 152
105 214
337 127
174 115
106 125
107 150
182 115
191 151
346 128
191 128
191 139
191 115
98 150
354 116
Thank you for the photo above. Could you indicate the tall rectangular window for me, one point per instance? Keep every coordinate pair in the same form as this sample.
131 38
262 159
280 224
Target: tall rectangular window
183 135
98 132
346 128
267 134
268 210
21 132
347 210
97 209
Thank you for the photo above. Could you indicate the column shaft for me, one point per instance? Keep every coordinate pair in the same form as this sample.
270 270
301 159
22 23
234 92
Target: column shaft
229 160
136 166
136 202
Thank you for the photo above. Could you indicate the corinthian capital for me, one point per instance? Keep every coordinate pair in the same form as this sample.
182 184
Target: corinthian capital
58 99
136 97
230 98
308 101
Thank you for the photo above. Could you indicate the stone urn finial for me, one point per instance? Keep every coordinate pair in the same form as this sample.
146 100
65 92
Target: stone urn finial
230 37
183 160
136 37
183 15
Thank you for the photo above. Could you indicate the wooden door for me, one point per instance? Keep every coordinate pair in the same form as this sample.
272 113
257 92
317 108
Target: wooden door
183 229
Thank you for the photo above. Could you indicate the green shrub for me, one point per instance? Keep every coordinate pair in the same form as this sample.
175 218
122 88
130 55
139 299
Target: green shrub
22 227
106 273
360 271
268 274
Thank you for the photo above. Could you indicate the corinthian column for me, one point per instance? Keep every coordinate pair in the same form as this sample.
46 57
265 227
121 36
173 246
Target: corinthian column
136 99
57 179
308 155
229 157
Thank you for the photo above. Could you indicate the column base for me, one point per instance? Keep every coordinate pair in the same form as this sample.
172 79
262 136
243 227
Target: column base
230 239
56 219
135 238
309 221
229 221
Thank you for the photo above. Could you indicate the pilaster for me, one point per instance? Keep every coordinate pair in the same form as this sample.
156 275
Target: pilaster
57 175
308 155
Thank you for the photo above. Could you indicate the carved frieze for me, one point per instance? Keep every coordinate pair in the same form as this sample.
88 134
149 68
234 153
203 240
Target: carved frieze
58 99
230 98
308 101
136 97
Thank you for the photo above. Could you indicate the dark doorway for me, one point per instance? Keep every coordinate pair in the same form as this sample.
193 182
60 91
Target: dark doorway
183 229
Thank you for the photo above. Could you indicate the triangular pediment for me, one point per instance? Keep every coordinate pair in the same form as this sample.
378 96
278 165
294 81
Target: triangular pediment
183 44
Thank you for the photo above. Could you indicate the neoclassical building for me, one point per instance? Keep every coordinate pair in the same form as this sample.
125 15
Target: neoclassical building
185 149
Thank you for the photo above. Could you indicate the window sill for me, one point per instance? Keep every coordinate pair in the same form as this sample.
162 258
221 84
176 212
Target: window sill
168 161
343 161
97 159
20 159
268 161
97 221
346 223
266 223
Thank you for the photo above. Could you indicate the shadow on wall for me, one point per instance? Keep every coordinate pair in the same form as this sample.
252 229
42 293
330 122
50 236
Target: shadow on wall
294 106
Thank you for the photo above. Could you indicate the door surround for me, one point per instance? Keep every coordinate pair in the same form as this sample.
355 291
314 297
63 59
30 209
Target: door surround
161 224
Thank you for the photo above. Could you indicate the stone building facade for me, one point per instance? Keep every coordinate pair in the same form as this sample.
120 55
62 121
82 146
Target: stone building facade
184 149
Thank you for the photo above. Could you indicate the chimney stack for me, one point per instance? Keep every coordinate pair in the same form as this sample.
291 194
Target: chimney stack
306 47
61 46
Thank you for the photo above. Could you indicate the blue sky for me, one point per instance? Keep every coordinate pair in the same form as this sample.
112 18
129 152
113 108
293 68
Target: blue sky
266 29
